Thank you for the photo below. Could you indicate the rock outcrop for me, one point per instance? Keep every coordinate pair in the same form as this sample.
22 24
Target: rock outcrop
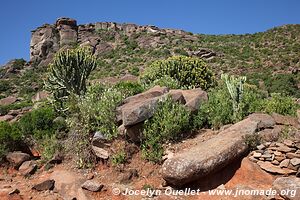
65 33
213 154
136 109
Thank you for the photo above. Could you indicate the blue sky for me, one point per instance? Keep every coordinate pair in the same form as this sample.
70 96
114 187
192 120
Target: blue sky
19 17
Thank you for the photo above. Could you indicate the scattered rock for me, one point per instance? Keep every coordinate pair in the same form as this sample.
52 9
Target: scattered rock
292 155
257 155
17 158
289 143
267 166
14 191
57 159
8 100
290 184
45 185
28 168
92 186
261 147
285 163
100 152
286 120
295 161
100 145
6 118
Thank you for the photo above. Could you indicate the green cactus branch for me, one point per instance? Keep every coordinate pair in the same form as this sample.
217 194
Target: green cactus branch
235 86
69 72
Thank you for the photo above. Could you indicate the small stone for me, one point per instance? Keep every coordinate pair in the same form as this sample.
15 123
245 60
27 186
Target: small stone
283 148
251 158
267 155
261 147
90 176
28 168
279 158
289 143
14 191
295 161
262 159
292 155
277 153
92 186
269 167
284 163
275 162
292 167
257 155
45 185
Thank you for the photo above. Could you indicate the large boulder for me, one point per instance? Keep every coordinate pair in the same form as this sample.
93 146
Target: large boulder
213 154
288 187
140 107
192 98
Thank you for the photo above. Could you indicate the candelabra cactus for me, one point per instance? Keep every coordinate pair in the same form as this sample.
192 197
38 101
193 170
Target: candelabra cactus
69 72
235 86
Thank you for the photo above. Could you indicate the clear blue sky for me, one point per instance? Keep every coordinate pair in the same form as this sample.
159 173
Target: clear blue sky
19 17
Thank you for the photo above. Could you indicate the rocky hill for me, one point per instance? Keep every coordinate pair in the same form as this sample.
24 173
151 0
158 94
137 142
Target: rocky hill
267 58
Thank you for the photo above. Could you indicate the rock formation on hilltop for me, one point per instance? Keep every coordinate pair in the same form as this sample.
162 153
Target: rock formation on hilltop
48 39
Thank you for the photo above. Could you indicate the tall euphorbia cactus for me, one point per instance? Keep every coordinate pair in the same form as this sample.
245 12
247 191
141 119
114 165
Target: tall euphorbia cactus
69 72
235 86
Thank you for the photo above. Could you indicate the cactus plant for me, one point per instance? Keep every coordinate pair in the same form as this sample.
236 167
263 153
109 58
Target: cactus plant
69 72
235 87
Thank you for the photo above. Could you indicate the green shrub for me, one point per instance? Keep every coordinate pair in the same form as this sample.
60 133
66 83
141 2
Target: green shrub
218 110
134 71
119 158
4 85
49 145
128 88
9 138
166 81
280 104
167 123
15 106
252 141
38 123
96 110
189 72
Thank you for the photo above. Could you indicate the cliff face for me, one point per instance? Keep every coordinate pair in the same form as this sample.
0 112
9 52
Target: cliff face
48 39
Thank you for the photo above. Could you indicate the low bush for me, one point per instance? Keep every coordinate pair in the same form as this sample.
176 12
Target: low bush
118 158
189 72
167 123
280 104
166 81
10 136
218 110
15 106
128 88
38 123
